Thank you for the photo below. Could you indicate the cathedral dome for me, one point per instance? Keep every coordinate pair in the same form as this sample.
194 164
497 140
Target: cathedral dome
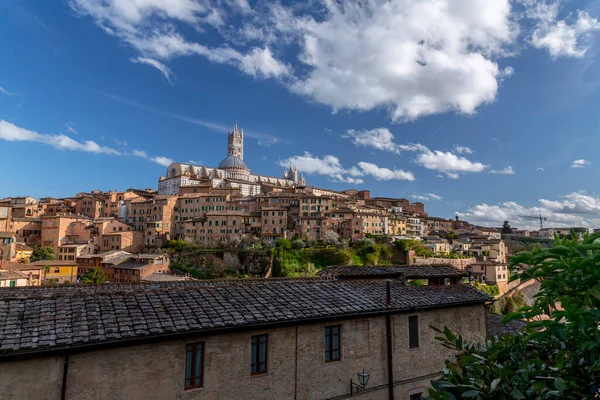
232 162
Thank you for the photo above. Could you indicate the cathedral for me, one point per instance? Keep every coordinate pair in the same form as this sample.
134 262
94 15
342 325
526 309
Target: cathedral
232 172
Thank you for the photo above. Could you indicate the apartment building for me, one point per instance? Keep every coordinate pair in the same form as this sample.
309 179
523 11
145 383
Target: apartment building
155 218
57 230
112 234
56 271
27 230
491 273
254 339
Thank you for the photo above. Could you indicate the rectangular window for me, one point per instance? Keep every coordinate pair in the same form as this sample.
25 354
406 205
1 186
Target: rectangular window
416 396
413 331
332 343
194 365
259 355
13 283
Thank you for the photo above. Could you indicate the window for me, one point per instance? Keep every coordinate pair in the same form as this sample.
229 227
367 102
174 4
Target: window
416 396
13 283
194 365
413 331
259 355
332 343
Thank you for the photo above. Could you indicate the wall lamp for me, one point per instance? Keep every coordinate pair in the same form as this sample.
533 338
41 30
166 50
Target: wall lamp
363 379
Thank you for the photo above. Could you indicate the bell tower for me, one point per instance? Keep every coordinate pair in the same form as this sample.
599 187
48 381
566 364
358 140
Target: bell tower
235 143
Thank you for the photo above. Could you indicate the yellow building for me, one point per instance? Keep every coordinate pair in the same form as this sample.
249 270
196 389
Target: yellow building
56 271
23 252
396 226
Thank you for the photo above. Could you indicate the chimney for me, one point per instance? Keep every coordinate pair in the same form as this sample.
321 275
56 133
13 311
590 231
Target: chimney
388 293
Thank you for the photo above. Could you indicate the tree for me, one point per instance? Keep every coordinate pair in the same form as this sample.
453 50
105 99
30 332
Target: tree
42 253
557 355
94 276
506 229
451 235
232 262
298 244
284 244
331 237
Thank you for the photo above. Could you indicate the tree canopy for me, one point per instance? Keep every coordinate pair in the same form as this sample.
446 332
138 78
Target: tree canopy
42 253
506 229
94 276
557 355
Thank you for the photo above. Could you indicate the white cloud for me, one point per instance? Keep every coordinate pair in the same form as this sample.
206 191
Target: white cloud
424 57
6 92
574 209
539 169
581 163
331 167
160 160
574 203
504 171
379 138
385 174
448 163
150 27
462 149
560 38
69 126
164 70
427 197
410 57
12 133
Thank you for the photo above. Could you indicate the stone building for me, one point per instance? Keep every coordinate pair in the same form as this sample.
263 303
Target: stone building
491 273
28 230
252 339
232 172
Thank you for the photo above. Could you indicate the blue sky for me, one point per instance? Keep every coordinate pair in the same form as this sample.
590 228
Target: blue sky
486 108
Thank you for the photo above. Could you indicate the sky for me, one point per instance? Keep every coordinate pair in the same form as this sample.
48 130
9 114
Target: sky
485 109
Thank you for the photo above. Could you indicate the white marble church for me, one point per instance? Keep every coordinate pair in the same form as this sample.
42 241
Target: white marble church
232 172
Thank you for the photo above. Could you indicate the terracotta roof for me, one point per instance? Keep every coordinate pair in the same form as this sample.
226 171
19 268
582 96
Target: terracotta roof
34 319
7 234
159 277
409 272
54 263
6 275
21 266
22 247
496 328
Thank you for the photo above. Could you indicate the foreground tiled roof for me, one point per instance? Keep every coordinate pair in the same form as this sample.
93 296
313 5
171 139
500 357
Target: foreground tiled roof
409 272
497 328
35 319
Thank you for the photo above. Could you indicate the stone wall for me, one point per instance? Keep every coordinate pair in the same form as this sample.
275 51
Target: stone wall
460 263
296 364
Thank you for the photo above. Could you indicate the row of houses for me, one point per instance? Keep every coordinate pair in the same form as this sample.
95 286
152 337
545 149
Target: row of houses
118 266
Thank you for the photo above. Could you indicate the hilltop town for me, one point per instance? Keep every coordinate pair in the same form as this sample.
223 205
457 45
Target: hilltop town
366 277
123 232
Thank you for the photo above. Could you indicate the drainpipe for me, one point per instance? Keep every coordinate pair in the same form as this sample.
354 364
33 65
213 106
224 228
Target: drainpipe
63 390
388 331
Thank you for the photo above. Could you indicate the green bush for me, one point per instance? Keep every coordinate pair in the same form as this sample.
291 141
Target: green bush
284 244
557 355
